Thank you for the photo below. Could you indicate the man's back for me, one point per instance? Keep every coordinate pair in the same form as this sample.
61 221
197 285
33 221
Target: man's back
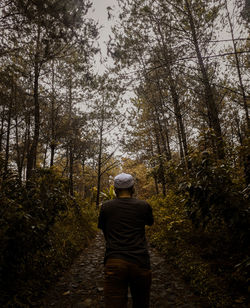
123 223
127 260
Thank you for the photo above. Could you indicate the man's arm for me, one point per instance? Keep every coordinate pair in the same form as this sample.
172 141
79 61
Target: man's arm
101 219
150 217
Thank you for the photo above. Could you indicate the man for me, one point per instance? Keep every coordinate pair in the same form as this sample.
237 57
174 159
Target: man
126 259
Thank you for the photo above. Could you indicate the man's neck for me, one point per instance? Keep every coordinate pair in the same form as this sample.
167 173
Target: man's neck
124 195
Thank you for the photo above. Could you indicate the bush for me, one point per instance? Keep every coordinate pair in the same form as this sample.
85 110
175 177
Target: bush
203 227
173 234
216 200
42 229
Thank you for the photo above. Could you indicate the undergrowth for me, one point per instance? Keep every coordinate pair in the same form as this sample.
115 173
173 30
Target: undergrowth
206 263
42 230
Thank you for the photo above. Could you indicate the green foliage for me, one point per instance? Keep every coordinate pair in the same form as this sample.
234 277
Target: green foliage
170 219
173 234
108 194
41 229
215 197
203 226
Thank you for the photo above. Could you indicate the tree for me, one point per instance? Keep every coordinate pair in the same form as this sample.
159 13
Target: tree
106 118
172 27
48 30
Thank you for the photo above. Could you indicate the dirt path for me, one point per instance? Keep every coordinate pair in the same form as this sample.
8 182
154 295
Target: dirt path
82 285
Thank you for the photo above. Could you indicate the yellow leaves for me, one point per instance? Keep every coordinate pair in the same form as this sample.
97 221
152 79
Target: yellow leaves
176 222
240 300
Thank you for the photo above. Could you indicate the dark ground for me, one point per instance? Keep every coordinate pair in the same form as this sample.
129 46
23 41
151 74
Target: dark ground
82 285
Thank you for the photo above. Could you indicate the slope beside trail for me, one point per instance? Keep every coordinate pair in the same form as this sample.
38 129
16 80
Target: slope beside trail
82 285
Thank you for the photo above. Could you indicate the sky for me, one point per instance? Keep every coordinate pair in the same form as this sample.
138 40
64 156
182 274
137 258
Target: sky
99 13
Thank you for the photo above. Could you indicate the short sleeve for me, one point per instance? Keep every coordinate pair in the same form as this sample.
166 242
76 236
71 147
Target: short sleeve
101 219
150 217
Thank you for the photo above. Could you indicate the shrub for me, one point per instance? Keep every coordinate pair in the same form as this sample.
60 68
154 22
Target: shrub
216 200
42 229
173 234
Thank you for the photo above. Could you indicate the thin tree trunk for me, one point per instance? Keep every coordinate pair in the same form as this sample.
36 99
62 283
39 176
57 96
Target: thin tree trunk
175 97
83 175
242 88
2 129
209 97
45 156
53 141
156 185
164 143
27 139
161 165
52 154
71 155
154 174
179 139
166 131
99 164
177 110
65 171
237 121
6 162
18 153
71 163
31 161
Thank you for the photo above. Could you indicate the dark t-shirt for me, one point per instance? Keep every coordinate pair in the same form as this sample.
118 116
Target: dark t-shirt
123 223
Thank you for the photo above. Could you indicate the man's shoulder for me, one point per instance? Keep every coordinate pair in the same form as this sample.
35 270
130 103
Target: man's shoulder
109 203
132 201
142 202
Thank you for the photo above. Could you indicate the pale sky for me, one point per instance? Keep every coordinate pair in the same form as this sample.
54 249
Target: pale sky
99 13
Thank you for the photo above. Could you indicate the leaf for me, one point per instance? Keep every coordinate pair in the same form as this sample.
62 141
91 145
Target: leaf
240 300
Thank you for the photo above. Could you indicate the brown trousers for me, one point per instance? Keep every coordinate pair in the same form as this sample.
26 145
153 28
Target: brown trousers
119 274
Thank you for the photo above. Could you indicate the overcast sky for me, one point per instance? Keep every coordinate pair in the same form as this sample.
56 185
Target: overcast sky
99 13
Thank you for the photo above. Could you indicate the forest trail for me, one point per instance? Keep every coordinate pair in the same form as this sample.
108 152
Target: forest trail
82 285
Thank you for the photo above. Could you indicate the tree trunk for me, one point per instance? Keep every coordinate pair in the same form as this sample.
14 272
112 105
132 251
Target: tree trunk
164 143
27 139
178 116
99 164
209 97
45 156
32 155
52 154
242 88
71 163
71 155
83 175
237 121
65 171
52 141
179 139
175 96
161 165
166 131
156 185
6 161
2 128
19 159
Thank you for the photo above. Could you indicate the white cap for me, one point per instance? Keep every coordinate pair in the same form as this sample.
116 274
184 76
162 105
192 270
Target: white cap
124 180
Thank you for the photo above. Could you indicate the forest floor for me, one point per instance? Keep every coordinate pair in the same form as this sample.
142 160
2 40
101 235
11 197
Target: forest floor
82 285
